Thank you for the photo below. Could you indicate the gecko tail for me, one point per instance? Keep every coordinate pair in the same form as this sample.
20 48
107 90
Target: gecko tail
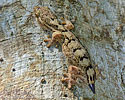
92 87
91 75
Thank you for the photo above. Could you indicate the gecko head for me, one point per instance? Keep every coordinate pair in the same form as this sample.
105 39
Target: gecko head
91 78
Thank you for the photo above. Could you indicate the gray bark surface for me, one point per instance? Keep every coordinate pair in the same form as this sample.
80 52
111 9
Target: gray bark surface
31 71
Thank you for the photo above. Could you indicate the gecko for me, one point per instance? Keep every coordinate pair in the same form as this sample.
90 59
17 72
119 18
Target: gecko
78 59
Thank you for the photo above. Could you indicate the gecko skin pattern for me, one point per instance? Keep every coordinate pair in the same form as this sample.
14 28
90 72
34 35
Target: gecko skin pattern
77 56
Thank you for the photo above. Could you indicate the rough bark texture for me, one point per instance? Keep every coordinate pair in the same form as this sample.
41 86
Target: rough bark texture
31 71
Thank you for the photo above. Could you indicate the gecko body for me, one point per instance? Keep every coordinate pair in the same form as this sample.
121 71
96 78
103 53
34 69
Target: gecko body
77 56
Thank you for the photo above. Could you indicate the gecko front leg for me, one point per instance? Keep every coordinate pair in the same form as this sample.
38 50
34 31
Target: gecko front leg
56 38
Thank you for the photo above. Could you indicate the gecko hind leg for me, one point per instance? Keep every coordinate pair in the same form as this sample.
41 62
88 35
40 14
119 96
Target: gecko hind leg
69 80
72 75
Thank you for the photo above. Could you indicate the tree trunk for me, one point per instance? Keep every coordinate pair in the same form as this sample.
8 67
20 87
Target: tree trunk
31 71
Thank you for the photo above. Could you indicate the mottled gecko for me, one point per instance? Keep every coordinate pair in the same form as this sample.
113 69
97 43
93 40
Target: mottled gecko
77 56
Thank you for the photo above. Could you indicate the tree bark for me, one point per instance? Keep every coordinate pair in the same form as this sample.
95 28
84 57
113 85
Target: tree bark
31 71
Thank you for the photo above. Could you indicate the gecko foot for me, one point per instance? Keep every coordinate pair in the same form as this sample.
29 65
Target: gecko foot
71 77
56 38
